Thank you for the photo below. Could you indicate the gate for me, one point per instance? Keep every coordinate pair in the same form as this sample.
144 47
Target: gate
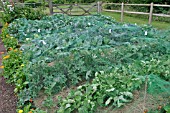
76 9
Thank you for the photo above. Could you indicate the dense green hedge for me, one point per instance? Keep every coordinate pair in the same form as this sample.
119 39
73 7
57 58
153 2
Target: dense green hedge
21 12
90 1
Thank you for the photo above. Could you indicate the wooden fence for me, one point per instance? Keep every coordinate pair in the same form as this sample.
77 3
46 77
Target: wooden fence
99 6
69 9
122 11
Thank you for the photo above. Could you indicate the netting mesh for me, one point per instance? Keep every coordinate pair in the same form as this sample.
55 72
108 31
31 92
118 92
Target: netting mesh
62 51
152 97
158 86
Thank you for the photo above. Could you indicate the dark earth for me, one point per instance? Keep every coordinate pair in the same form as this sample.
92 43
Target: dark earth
8 100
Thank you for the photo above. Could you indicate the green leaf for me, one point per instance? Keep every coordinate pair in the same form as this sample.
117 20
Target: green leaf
83 110
110 90
100 100
26 82
108 101
167 108
67 106
88 74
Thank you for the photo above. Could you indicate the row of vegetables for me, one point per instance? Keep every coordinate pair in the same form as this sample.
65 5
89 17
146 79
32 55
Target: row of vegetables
59 51
13 68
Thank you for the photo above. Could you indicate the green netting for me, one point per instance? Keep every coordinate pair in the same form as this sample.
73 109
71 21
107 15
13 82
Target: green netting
158 86
62 51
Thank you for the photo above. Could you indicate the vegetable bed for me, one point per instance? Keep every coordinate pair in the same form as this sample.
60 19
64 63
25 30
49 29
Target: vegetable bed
110 59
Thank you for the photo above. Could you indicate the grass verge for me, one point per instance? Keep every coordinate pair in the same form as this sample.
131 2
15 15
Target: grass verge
139 21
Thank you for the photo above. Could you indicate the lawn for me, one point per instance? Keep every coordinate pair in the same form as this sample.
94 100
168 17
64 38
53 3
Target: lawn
139 21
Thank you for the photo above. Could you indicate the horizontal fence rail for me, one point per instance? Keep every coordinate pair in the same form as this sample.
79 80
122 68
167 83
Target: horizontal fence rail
71 9
160 5
122 11
126 4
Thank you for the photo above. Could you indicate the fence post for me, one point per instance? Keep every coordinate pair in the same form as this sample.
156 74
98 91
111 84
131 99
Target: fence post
150 14
50 6
122 11
99 7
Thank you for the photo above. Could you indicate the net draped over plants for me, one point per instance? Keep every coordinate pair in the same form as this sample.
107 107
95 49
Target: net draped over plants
114 58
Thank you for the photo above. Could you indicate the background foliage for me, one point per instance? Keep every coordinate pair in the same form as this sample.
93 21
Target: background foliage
115 1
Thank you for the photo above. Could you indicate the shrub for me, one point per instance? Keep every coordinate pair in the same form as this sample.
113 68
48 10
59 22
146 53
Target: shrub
22 12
